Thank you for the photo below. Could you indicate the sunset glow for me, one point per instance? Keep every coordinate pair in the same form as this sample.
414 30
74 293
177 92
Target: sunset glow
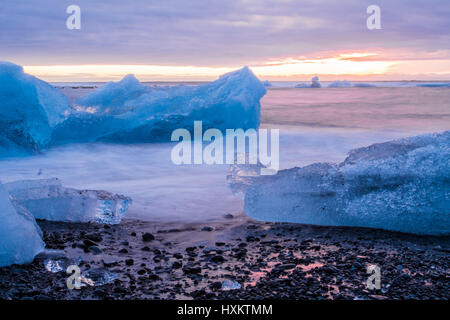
353 65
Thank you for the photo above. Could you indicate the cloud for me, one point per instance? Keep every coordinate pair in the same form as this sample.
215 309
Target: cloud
212 33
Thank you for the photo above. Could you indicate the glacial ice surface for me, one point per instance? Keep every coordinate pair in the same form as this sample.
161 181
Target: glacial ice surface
47 199
114 97
29 109
20 236
401 185
127 112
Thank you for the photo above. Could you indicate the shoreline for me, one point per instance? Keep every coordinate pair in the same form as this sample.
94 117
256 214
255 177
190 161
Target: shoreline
174 260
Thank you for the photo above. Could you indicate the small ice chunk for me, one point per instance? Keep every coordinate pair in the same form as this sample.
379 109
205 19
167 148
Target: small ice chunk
230 285
56 260
47 199
98 277
20 236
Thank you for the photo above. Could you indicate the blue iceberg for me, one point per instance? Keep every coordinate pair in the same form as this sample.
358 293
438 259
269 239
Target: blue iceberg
29 110
128 112
401 185
20 236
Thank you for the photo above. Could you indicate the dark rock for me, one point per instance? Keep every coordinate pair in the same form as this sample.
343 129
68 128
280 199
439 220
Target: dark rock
129 262
146 237
192 270
217 259
178 255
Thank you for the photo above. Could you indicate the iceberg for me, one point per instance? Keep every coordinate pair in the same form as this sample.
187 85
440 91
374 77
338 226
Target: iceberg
47 199
20 236
363 85
29 109
302 85
340 84
347 84
139 114
401 185
315 82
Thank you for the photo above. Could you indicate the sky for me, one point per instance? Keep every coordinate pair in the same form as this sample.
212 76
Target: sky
199 40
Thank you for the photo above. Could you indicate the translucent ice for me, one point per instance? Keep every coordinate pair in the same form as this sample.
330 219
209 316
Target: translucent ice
146 115
230 285
49 200
57 260
114 97
98 277
29 109
401 185
20 236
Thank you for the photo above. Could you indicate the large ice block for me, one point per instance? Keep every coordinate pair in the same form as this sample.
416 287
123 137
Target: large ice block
147 115
20 236
47 199
401 185
29 109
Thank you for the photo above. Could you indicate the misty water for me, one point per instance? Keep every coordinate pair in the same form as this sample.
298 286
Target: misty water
316 125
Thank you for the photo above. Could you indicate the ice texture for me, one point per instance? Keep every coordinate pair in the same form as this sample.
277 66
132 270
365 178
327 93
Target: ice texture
20 236
138 114
47 199
55 261
114 97
228 285
315 82
29 109
401 185
96 277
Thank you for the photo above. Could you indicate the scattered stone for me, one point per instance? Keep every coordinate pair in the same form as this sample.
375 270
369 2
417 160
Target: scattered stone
129 262
146 237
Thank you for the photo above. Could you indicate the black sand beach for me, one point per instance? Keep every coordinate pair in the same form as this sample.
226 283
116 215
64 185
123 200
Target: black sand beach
269 261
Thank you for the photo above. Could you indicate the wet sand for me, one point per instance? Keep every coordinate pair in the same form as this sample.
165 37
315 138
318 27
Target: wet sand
154 260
